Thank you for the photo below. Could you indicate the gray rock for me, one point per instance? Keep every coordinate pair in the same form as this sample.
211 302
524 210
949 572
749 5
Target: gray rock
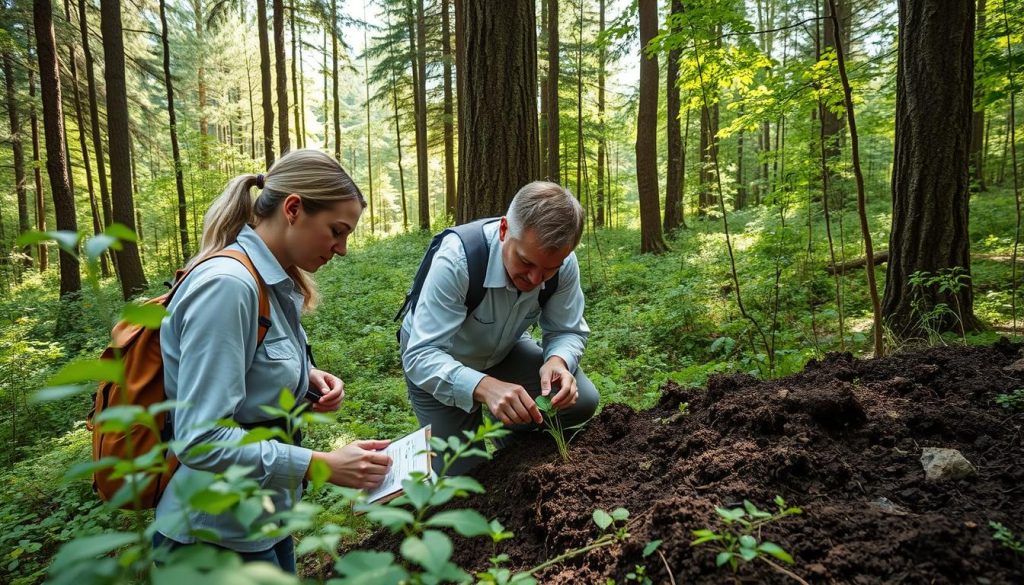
945 464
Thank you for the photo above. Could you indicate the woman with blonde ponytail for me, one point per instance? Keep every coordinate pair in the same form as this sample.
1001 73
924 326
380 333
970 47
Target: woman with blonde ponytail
305 209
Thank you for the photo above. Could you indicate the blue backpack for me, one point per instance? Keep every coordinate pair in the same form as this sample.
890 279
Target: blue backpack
477 252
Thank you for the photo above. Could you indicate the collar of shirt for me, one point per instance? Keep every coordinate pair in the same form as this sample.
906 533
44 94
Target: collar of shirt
262 258
496 276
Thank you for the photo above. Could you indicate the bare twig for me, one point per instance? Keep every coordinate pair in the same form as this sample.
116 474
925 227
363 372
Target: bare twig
784 571
668 569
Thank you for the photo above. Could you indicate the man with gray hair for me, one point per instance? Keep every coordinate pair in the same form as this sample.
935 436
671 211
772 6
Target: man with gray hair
467 343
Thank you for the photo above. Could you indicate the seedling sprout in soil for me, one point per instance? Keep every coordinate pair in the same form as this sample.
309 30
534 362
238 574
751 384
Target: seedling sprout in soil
554 426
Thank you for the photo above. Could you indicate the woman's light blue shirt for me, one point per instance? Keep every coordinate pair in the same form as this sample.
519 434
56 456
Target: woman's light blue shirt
211 362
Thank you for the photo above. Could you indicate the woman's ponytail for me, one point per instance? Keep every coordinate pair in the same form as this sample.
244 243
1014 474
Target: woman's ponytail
226 216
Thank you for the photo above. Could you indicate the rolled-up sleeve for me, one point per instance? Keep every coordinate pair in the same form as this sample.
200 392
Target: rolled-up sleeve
437 317
217 330
565 331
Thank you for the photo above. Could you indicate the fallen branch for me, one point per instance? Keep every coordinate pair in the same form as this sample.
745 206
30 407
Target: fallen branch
878 258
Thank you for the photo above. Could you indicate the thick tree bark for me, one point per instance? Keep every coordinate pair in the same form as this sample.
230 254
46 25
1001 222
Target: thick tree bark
930 182
179 179
94 120
17 151
268 107
553 140
420 96
281 74
449 110
42 256
56 149
133 280
497 80
651 240
674 173
831 123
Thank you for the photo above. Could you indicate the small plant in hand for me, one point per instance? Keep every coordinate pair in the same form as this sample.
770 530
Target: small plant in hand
739 542
1005 537
554 427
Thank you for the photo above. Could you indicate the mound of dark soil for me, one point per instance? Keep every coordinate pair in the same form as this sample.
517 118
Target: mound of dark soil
842 440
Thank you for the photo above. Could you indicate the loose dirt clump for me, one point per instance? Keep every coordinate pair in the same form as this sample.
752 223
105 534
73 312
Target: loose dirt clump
842 440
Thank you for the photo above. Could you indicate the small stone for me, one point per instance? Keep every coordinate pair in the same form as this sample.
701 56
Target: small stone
1017 366
945 464
886 505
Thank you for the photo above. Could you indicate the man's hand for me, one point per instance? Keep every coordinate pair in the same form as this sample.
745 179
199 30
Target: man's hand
510 403
555 374
330 387
360 464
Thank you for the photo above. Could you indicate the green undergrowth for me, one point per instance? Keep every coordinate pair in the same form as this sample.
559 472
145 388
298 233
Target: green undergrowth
653 319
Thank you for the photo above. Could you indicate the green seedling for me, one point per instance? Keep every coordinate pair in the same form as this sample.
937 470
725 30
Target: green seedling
1005 537
739 542
554 426
1012 401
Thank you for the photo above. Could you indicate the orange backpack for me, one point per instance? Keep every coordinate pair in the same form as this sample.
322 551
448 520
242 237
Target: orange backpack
139 348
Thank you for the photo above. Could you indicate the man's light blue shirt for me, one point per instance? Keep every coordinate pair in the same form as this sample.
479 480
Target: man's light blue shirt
211 362
445 352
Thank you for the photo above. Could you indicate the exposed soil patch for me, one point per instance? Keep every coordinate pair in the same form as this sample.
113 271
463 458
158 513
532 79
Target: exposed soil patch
842 440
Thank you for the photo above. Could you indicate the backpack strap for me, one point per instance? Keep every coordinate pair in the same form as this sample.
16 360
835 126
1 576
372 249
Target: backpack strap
263 320
550 288
475 244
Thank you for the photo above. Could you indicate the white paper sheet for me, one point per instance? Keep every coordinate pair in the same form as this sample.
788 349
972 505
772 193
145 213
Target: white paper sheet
408 454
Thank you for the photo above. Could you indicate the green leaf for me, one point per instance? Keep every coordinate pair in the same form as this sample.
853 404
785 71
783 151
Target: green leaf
149 315
67 240
319 473
468 523
602 519
753 511
390 517
98 244
32 237
369 568
87 371
620 514
89 547
748 554
286 399
651 547
442 495
430 552
723 557
51 393
748 541
257 434
213 502
775 551
463 483
87 468
544 404
418 493
121 232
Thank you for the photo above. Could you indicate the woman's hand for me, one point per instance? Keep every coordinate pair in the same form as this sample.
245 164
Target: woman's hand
330 388
360 464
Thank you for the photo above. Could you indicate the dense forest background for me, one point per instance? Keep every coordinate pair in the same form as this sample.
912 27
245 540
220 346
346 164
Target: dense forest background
765 180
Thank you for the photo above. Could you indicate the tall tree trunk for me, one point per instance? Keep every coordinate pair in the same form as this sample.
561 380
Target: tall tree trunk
542 44
334 80
133 280
420 95
299 138
673 184
496 43
930 180
56 148
978 123
708 156
398 133
602 58
554 140
449 110
268 107
179 179
17 150
741 186
204 124
41 252
83 143
281 77
94 120
579 110
651 240
369 151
